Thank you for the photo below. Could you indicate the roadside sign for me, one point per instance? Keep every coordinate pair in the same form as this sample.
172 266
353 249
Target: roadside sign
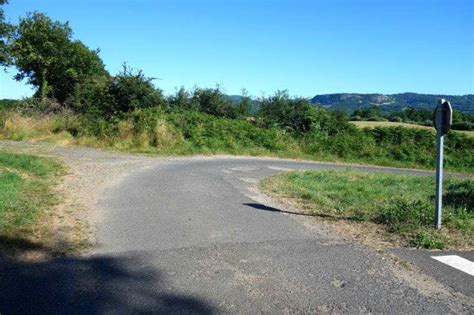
443 116
442 121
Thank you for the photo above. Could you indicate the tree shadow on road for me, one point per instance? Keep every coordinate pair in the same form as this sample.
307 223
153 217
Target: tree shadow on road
263 207
91 285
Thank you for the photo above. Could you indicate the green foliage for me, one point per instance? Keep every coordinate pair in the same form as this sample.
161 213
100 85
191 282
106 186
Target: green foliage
180 100
371 114
290 114
330 138
25 183
111 96
221 135
6 31
393 145
43 52
91 96
402 215
468 126
211 101
8 105
131 90
214 102
403 204
428 239
245 105
460 195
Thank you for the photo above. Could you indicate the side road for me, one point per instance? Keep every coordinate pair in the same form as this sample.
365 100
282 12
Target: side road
193 235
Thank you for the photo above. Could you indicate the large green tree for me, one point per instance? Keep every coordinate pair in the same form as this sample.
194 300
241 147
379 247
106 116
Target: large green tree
44 53
6 30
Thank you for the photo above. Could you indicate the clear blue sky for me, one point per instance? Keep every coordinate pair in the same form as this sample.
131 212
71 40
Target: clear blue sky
307 47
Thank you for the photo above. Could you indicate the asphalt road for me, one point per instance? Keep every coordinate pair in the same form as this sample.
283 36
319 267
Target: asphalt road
194 236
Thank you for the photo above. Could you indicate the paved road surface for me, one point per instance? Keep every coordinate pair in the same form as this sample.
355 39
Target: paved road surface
194 236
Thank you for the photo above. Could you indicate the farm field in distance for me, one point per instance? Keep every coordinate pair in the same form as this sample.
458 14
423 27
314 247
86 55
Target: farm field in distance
373 124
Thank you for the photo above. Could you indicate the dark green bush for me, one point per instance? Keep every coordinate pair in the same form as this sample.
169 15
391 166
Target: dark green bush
214 102
207 131
91 96
291 114
399 214
468 126
427 240
111 96
131 90
460 195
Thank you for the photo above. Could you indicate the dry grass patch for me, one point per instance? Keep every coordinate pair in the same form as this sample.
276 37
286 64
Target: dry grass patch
373 124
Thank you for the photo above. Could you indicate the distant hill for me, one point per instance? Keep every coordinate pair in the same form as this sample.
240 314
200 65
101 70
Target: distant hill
348 102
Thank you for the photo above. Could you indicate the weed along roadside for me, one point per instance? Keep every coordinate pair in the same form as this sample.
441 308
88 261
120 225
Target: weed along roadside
399 206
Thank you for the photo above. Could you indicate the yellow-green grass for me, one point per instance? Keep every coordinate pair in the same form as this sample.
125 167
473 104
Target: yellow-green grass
401 205
26 191
373 124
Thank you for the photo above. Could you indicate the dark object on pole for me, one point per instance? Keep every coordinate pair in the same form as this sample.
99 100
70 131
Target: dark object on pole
443 116
442 121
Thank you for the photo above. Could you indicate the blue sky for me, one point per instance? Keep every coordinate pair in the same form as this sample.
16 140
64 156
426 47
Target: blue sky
307 47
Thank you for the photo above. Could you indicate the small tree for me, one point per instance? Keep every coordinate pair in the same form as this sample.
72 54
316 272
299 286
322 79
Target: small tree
213 102
181 99
131 90
292 114
244 104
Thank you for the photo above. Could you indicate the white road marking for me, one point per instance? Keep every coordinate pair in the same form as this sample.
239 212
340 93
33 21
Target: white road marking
249 180
276 168
244 169
457 262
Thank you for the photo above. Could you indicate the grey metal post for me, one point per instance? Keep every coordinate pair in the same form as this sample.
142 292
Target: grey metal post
439 178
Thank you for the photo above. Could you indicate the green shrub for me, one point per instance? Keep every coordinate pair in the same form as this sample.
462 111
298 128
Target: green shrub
214 102
460 195
427 240
401 214
463 126
291 114
131 90
112 96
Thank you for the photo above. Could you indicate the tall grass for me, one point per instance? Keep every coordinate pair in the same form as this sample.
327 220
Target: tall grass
403 204
161 131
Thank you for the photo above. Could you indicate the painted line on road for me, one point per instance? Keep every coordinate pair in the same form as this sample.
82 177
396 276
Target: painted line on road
457 262
276 168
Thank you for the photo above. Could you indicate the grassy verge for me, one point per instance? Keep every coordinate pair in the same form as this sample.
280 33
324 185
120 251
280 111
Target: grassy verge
189 132
26 191
401 205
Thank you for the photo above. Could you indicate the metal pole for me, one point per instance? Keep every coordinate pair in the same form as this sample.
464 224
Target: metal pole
439 177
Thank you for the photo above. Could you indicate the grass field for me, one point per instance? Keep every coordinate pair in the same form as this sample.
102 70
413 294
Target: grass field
373 124
401 205
26 184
